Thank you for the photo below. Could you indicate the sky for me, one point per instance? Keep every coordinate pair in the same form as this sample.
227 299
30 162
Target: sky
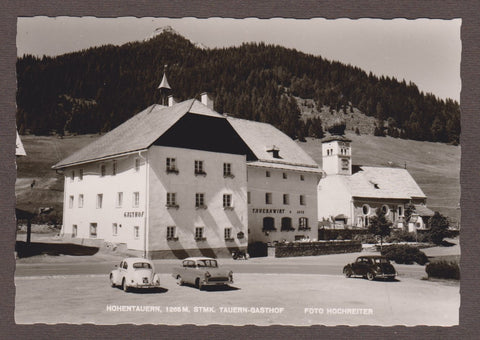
426 52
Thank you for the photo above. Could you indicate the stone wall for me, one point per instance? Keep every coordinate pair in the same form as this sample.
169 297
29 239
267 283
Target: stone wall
316 248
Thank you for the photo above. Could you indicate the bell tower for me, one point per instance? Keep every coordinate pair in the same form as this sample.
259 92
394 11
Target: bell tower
337 155
164 88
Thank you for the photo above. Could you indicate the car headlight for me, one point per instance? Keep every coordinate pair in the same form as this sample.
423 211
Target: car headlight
207 274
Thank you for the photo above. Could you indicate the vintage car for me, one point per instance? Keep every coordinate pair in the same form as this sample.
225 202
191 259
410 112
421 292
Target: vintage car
370 267
202 272
134 272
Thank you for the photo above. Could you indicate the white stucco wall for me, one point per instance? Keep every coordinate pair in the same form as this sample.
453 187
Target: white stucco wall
334 198
259 185
185 184
126 180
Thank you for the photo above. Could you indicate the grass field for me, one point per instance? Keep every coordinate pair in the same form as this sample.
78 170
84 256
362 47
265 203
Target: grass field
435 166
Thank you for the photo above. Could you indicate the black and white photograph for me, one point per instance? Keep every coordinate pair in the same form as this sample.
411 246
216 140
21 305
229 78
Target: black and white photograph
221 171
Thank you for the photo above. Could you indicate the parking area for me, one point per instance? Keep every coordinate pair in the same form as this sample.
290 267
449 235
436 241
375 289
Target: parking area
256 299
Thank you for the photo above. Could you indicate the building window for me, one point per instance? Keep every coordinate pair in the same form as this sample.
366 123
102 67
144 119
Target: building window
171 234
385 209
302 178
114 168
268 198
80 200
400 210
172 200
72 176
93 230
136 199
345 164
284 175
114 229
227 201
199 168
137 164
227 233
172 166
80 174
70 202
249 198
268 224
286 224
303 223
74 230
302 200
227 170
136 232
99 201
366 209
286 199
119 202
103 170
199 234
200 201
267 173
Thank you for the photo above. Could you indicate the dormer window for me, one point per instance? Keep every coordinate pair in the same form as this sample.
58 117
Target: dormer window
274 150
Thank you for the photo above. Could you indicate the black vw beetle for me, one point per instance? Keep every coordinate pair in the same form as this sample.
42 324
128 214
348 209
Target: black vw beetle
370 267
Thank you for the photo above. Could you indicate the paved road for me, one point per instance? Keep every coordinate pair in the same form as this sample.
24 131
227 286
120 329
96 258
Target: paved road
325 265
258 299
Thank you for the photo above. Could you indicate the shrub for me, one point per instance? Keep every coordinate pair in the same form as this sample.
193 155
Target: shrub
403 254
401 236
365 238
443 270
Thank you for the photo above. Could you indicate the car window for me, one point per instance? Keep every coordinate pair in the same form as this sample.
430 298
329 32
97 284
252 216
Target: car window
360 260
142 265
207 263
125 265
381 260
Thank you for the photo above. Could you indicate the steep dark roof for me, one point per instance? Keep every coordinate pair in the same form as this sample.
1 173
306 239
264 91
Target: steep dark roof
137 133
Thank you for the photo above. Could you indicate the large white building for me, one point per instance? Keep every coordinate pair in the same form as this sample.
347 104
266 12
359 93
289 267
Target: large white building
183 180
351 196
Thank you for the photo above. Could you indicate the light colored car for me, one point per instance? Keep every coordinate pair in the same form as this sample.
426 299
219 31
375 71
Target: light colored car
202 272
134 272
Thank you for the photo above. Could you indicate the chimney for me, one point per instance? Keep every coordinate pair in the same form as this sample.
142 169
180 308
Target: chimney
171 100
207 100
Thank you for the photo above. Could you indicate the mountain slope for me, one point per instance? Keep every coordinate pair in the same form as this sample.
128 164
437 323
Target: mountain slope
107 85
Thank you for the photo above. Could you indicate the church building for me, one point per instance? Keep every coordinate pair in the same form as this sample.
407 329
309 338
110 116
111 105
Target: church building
350 195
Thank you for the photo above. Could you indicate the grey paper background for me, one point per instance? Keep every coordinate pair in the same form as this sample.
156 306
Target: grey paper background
468 11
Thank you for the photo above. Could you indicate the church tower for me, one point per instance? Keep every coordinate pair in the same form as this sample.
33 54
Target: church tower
337 155
164 88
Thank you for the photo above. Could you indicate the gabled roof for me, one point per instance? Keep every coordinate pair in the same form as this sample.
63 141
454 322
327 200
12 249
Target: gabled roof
383 182
265 141
137 133
422 210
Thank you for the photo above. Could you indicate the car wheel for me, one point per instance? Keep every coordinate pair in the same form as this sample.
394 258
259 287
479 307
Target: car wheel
370 276
347 272
112 283
179 280
124 286
198 284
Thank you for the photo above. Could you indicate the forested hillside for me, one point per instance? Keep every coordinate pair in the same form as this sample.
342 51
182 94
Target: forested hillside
96 89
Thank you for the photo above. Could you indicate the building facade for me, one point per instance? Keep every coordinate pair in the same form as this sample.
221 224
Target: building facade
348 197
183 180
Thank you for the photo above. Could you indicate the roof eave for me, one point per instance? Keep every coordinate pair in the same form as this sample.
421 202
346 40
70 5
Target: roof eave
67 165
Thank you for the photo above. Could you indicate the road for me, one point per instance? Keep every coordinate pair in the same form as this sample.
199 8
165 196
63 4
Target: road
255 299
325 265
